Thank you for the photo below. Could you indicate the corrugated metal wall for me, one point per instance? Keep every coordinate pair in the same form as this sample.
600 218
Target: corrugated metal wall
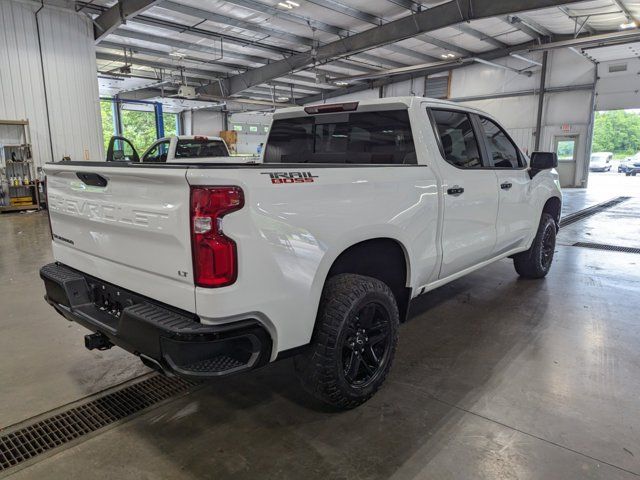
70 75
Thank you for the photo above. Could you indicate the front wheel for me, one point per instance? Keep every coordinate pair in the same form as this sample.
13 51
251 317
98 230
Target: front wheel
536 262
354 341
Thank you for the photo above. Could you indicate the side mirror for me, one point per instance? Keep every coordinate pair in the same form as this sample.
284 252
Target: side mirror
544 160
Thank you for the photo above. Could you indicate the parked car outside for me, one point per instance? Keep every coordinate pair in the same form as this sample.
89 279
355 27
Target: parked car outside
600 162
630 166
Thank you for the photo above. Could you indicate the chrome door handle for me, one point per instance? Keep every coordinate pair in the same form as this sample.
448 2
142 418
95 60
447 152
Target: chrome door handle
506 186
455 190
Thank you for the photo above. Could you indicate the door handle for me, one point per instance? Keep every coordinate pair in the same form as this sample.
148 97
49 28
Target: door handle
92 179
455 190
506 186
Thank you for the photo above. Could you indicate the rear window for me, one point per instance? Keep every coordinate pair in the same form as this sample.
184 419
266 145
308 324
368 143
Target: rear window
356 137
200 148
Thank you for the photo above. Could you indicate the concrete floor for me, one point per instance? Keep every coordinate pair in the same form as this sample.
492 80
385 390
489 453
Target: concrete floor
495 377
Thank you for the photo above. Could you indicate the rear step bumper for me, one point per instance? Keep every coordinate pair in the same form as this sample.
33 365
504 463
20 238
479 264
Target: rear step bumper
166 339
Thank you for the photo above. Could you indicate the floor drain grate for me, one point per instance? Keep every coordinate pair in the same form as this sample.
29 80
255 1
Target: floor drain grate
587 212
46 434
611 248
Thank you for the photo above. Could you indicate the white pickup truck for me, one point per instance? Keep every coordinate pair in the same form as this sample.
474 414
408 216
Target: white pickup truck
209 269
183 148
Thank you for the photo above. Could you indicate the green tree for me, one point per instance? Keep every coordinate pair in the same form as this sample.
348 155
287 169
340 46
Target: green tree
616 131
139 127
170 124
107 123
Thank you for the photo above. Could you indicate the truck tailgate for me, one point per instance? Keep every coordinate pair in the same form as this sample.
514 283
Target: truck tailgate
127 226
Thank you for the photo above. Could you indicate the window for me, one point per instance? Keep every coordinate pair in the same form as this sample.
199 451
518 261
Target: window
157 153
503 153
201 148
359 137
170 121
266 129
457 139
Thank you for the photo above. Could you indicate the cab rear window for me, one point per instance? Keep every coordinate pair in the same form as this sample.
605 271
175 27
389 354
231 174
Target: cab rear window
200 148
382 137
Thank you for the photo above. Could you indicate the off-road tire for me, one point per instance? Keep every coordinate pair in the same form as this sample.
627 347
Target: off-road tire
321 368
536 262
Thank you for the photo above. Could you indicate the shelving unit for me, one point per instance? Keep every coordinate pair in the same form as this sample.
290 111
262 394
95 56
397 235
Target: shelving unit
19 187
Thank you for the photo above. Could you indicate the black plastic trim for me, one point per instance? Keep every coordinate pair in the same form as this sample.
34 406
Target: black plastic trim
162 336
231 166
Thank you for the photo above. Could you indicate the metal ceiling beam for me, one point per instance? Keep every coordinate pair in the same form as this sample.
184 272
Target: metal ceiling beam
118 14
610 38
531 28
291 17
410 53
195 47
223 67
444 45
268 32
572 16
630 16
218 67
235 22
375 20
257 45
349 11
310 23
591 41
444 15
248 42
153 64
193 74
227 53
409 5
481 36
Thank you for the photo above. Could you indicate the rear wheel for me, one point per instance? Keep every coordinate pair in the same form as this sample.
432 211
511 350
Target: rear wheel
536 262
354 341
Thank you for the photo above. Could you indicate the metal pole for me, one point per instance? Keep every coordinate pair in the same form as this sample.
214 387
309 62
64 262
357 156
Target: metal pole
117 118
157 108
592 120
543 81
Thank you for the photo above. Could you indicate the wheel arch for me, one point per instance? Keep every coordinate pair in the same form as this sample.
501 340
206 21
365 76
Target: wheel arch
383 258
553 206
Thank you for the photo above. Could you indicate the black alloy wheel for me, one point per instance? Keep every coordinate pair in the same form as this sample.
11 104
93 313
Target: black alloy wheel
366 345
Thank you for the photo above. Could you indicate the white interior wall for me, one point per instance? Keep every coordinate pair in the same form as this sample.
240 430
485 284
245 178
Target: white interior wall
248 141
205 122
70 77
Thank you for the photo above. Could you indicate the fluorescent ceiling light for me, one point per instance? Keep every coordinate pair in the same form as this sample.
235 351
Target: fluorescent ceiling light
285 5
292 3
342 82
447 55
282 99
626 26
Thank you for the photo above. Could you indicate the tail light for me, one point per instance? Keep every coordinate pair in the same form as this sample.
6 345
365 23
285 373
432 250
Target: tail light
215 258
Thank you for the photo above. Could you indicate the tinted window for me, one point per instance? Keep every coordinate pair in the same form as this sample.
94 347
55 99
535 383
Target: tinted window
366 137
157 153
503 153
200 148
457 139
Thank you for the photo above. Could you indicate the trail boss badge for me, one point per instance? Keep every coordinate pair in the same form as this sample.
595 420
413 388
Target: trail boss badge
290 177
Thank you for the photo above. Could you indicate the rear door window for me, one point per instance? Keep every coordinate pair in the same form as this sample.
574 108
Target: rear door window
200 148
382 137
458 142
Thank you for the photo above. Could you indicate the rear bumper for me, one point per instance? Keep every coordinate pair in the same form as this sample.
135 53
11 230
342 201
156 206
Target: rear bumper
170 340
